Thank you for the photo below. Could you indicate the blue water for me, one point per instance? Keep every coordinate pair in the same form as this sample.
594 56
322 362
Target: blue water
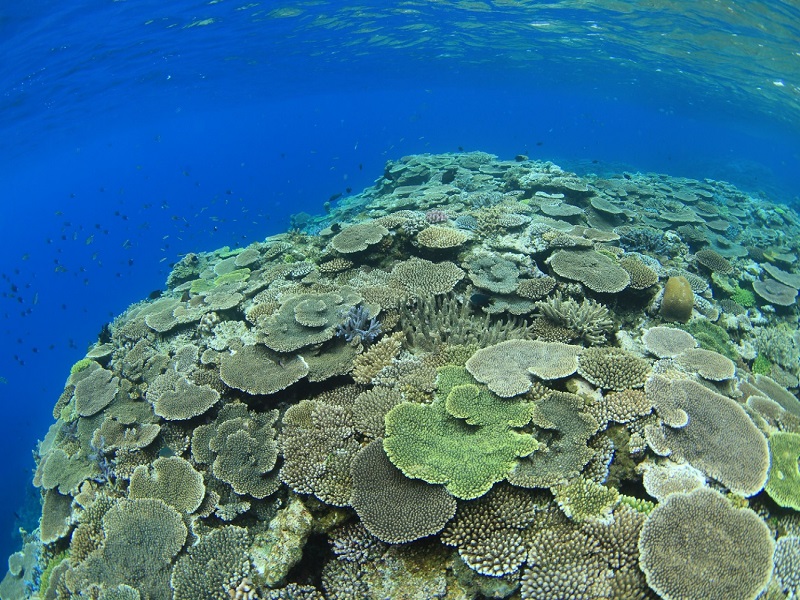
132 132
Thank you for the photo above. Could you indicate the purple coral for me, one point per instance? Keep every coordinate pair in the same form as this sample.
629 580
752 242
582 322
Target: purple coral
359 323
436 216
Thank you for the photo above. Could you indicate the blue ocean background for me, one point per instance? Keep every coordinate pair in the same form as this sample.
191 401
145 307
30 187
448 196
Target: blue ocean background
133 132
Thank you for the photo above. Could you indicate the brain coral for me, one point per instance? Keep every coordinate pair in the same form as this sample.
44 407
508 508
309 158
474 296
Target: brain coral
678 300
719 438
258 371
506 367
358 237
595 270
426 441
393 507
698 545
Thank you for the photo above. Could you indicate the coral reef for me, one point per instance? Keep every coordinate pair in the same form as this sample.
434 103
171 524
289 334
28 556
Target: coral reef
464 385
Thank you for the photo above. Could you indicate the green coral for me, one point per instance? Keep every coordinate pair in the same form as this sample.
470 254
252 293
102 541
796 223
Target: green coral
236 276
275 551
762 365
584 500
79 366
48 570
711 337
468 451
783 485
743 297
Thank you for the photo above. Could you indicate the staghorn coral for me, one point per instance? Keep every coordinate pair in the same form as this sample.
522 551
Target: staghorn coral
392 507
367 365
698 545
589 321
435 321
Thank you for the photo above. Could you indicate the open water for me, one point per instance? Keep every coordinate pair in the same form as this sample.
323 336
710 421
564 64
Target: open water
133 132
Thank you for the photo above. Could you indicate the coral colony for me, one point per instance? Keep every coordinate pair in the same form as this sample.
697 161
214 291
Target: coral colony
479 378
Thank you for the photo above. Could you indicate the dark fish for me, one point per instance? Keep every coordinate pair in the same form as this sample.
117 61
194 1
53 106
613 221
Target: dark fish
155 294
335 227
348 190
480 300
335 197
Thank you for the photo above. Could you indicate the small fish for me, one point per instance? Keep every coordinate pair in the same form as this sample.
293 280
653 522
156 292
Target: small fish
89 239
334 197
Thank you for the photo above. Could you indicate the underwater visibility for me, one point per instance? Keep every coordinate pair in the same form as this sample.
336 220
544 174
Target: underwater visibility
457 300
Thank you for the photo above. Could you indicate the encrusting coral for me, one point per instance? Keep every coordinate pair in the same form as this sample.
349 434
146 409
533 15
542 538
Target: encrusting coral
459 383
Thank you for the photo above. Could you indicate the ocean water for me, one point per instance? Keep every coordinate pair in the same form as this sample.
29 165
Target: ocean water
134 132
